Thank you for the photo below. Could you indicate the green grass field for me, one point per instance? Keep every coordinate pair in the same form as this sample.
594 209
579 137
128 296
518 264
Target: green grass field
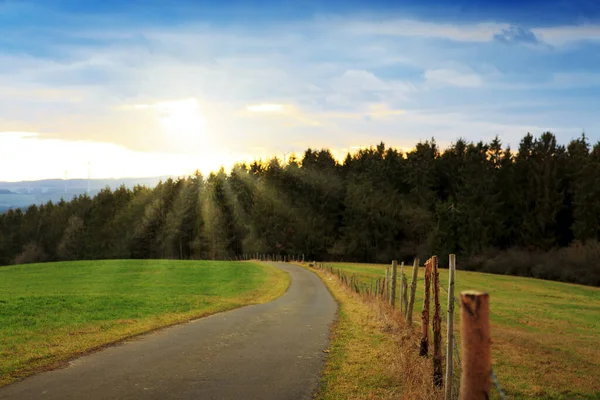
545 334
53 311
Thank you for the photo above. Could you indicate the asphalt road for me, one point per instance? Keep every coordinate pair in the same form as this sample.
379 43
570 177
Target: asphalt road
267 351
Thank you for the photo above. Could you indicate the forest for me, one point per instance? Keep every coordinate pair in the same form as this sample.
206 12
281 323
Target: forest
534 211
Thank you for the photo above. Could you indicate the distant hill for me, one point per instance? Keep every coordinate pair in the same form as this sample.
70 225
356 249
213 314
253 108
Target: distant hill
25 193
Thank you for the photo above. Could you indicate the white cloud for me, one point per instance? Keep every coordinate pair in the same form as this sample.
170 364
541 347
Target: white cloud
50 158
355 88
453 78
361 80
201 91
482 32
561 35
404 129
266 108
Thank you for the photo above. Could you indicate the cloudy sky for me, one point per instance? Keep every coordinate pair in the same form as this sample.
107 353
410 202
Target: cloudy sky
141 88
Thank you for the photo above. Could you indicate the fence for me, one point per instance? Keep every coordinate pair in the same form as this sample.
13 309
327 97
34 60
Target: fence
469 377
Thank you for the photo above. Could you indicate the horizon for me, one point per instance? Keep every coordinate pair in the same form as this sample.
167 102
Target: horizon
145 89
283 158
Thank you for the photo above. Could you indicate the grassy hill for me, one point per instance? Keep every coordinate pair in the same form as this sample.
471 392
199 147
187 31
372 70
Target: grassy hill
545 334
53 311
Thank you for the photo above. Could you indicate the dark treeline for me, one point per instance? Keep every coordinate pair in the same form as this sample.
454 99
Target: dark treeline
532 212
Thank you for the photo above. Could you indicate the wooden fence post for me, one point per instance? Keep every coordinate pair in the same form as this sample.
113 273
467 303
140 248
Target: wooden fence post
386 283
425 313
401 285
393 285
413 290
404 293
475 380
450 326
438 375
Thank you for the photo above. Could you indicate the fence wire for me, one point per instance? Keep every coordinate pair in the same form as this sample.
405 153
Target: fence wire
457 371
456 377
497 384
456 382
446 290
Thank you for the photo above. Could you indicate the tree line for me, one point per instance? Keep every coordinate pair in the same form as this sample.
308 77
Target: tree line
531 212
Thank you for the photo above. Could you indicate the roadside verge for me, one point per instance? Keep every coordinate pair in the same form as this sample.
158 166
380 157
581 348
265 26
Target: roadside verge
372 355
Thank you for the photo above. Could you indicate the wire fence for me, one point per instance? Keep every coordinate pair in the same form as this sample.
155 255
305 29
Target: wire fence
381 289
457 369
498 387
456 377
456 384
446 290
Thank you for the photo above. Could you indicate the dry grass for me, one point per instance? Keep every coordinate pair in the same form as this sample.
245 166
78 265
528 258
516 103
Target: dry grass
373 354
544 334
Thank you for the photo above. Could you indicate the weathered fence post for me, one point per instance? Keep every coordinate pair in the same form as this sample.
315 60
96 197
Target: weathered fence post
386 283
425 313
475 381
413 290
404 294
393 285
438 375
450 326
401 285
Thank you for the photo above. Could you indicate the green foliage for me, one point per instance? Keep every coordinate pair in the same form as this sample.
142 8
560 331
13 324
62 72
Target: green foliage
380 204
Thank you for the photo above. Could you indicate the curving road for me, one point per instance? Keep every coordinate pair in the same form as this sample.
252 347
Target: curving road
267 351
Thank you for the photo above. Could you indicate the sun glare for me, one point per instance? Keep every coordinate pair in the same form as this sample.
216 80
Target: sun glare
266 108
182 118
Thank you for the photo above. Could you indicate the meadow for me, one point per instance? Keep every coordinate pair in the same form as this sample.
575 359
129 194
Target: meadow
51 312
545 334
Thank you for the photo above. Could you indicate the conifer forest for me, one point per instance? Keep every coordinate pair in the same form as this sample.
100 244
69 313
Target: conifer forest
530 211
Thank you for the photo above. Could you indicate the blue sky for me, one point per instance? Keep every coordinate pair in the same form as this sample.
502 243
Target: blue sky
156 87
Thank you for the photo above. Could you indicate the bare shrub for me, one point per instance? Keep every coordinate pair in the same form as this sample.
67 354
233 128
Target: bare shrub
578 263
32 253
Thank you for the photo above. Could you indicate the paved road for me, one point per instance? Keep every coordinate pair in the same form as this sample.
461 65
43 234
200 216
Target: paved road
267 351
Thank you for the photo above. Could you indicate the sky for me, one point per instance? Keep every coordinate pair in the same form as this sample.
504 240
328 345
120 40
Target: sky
148 88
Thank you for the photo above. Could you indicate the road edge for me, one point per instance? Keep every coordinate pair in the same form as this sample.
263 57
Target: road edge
65 362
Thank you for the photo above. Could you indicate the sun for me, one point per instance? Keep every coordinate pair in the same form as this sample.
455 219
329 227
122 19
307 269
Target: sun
182 119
